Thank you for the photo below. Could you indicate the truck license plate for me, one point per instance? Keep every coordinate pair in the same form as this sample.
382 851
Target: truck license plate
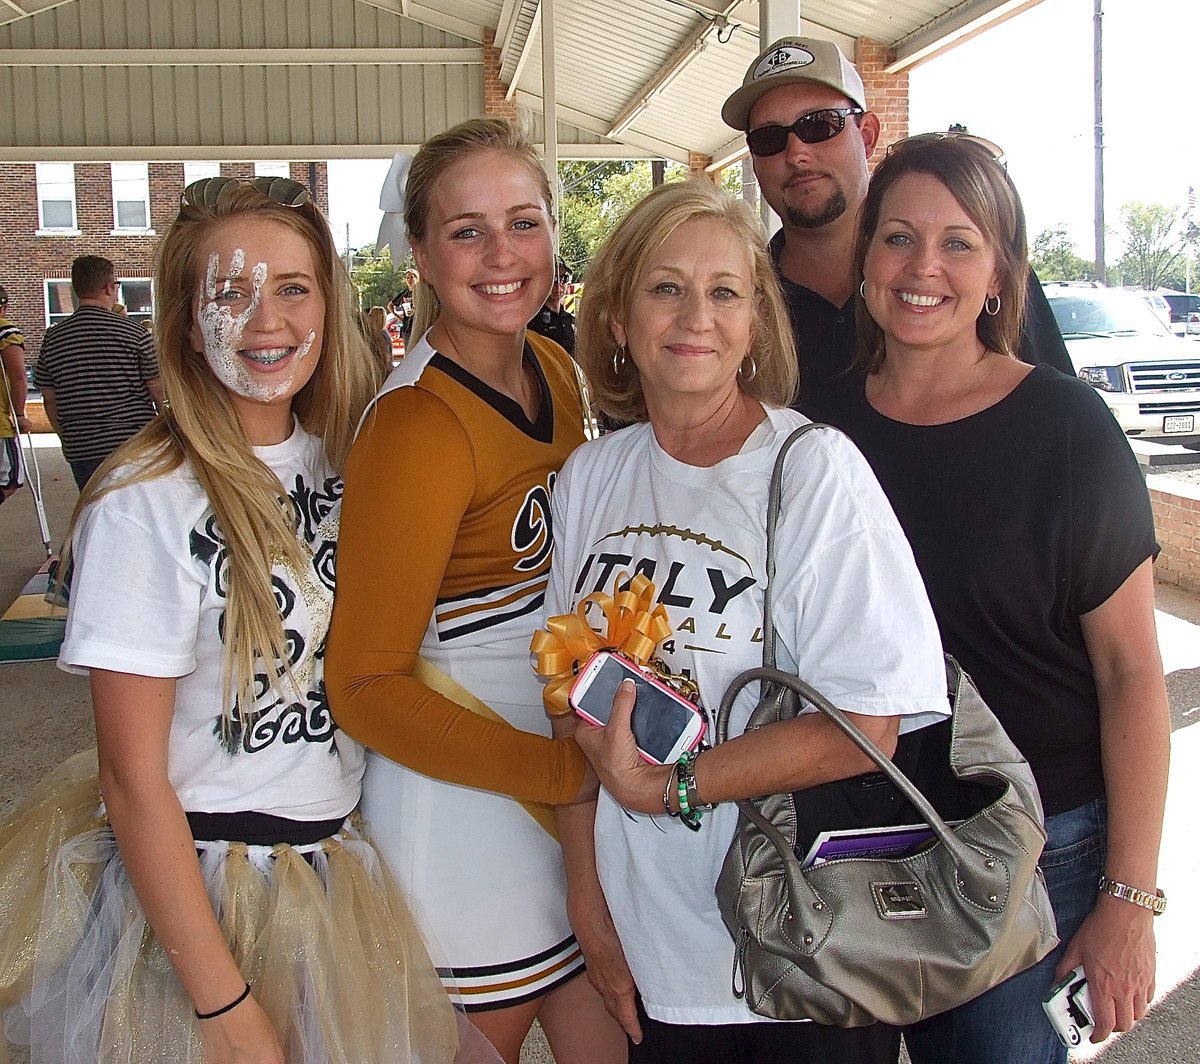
1179 423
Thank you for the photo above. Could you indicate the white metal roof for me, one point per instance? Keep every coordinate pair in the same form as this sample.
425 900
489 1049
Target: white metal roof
178 79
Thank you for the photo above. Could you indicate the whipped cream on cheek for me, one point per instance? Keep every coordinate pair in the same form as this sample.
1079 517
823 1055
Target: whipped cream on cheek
222 331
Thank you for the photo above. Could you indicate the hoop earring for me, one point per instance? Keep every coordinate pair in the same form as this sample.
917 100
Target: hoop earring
618 361
862 289
747 377
992 311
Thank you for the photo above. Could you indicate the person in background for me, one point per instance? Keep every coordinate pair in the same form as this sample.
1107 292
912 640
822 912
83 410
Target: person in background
97 372
373 323
14 391
223 907
1065 654
684 336
554 321
810 133
442 566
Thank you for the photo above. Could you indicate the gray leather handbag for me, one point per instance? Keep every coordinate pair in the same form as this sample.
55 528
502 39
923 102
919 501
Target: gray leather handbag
890 939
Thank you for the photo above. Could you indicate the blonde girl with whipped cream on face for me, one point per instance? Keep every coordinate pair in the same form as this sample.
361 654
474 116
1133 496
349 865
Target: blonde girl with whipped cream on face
222 907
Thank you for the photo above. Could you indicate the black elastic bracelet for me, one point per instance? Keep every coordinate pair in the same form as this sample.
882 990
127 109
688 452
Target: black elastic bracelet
221 1011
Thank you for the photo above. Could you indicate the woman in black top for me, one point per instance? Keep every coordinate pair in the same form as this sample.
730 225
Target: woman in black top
1031 526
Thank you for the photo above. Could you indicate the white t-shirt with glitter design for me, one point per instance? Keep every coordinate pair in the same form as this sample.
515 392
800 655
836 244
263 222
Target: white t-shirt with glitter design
148 597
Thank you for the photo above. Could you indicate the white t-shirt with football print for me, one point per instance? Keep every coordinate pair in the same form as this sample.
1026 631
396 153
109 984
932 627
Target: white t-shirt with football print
852 618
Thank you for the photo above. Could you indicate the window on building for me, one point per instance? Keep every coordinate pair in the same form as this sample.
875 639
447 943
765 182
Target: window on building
56 196
131 196
135 293
272 170
60 301
199 171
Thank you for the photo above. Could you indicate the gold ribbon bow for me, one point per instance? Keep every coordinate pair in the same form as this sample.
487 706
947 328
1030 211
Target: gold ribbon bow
635 627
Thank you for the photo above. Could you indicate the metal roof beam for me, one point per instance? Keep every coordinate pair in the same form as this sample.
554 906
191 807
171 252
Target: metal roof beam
430 16
693 45
158 153
535 24
729 152
657 149
151 57
957 25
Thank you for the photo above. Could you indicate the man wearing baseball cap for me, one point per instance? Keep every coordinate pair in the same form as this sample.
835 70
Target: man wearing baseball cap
803 108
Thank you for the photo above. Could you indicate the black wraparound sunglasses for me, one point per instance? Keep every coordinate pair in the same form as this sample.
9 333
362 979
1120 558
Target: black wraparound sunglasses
816 127
207 192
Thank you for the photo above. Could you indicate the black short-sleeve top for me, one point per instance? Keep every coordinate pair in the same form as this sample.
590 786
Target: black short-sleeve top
1022 517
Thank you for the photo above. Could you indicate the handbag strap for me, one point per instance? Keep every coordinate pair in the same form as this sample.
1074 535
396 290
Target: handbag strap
904 785
773 680
774 495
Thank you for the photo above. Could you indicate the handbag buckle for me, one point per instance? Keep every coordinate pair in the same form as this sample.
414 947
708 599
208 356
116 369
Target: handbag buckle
899 900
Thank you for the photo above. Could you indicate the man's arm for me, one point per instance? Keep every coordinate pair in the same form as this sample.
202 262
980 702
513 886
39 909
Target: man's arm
51 409
158 394
13 359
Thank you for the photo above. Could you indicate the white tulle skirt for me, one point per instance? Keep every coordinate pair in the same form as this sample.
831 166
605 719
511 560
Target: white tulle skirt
320 932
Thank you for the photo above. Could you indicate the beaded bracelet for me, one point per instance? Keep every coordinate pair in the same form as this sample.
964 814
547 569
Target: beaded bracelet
685 775
670 786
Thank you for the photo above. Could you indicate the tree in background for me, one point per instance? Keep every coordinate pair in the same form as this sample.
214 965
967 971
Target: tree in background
1053 257
373 274
595 196
1154 236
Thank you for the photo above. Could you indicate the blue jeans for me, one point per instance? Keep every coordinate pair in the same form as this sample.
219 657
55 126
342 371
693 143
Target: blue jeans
1007 1025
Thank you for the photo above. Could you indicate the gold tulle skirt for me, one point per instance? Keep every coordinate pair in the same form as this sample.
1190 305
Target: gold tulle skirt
320 932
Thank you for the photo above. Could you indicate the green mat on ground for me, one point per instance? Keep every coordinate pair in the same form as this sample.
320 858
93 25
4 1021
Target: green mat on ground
32 629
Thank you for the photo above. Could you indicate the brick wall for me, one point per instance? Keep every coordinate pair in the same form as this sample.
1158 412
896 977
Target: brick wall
887 94
30 259
495 105
698 165
1176 506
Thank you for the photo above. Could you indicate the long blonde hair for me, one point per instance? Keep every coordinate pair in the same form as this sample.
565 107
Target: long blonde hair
200 428
431 162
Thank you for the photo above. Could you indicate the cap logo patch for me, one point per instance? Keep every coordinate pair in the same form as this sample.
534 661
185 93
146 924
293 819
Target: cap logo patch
781 60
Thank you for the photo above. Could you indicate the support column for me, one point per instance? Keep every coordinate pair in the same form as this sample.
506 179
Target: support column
887 94
495 99
549 103
778 18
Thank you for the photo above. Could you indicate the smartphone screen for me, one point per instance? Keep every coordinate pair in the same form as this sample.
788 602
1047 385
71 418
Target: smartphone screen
659 720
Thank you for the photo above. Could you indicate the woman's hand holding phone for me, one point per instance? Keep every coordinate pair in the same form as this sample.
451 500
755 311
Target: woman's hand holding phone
613 753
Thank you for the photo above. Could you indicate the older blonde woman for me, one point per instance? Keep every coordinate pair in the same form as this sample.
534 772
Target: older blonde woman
683 332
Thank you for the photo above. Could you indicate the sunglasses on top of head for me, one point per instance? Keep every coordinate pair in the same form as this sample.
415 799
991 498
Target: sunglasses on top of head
816 127
210 191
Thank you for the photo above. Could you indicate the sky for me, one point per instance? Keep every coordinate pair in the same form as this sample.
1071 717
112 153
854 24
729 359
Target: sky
1027 85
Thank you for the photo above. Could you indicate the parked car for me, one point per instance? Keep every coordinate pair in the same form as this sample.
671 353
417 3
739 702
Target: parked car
1149 378
1185 313
1156 302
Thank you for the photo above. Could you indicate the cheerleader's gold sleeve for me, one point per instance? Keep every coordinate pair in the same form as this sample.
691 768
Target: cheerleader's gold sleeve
443 558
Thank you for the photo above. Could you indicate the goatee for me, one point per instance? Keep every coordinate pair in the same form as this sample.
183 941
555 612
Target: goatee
831 211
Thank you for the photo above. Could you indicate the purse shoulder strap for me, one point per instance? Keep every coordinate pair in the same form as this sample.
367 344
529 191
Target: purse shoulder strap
774 497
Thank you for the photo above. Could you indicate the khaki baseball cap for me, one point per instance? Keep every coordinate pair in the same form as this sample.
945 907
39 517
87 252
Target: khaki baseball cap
789 60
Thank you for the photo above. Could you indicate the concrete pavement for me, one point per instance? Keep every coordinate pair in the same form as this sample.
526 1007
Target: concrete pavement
45 716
